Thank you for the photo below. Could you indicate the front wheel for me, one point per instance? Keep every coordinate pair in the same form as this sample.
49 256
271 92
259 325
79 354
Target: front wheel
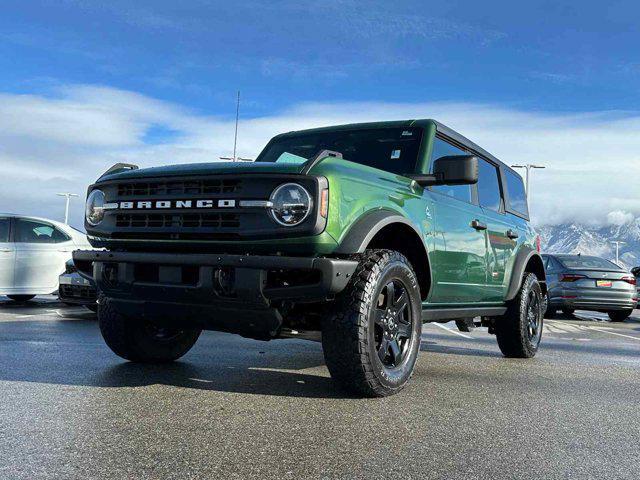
371 336
519 330
619 315
141 340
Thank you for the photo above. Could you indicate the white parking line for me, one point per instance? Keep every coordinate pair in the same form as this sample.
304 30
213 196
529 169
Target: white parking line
614 333
439 325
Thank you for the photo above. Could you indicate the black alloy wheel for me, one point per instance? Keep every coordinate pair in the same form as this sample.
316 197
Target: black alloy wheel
393 324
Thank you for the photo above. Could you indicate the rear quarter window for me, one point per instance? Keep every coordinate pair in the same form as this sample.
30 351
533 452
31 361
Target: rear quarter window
517 195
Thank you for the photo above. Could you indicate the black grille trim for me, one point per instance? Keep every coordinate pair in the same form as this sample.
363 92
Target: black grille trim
168 188
177 220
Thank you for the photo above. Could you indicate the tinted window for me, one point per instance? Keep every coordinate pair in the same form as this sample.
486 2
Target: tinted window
488 186
4 230
32 231
583 261
442 148
391 149
517 195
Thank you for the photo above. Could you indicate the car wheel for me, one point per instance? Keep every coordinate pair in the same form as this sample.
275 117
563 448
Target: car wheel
519 330
21 298
568 311
371 336
141 340
93 307
619 315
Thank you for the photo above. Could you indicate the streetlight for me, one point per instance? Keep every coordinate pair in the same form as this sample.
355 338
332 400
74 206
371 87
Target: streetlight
66 207
618 243
528 167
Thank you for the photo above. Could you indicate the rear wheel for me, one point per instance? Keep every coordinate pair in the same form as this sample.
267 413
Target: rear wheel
371 336
549 311
21 298
141 340
619 315
93 307
519 330
568 311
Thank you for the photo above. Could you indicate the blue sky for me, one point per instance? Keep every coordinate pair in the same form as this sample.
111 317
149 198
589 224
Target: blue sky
84 84
549 55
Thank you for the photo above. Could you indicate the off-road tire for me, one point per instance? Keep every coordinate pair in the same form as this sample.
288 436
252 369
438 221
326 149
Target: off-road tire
349 329
619 315
132 338
568 311
21 298
512 329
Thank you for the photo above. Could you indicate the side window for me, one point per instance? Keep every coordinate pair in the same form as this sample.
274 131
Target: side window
442 148
4 230
489 194
32 231
517 195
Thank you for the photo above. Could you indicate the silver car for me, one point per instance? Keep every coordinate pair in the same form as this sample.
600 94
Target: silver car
76 290
582 282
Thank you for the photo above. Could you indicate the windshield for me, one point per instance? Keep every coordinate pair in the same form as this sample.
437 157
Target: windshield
581 261
392 149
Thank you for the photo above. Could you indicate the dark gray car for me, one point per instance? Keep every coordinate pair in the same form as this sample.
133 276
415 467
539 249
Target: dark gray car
582 282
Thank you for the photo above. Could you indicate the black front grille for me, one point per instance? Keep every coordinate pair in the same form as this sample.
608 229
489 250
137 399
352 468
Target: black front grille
177 220
180 187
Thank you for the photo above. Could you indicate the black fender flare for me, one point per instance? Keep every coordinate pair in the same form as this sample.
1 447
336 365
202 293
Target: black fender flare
365 228
523 257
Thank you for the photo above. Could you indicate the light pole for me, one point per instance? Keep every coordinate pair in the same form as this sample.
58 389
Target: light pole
618 243
66 207
528 167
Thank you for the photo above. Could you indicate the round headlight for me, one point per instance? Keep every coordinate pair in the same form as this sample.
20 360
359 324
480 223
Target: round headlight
291 204
94 208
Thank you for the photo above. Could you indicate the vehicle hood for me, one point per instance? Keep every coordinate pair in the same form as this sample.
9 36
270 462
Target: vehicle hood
212 168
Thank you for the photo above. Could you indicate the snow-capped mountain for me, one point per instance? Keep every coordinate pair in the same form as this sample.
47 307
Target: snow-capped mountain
595 240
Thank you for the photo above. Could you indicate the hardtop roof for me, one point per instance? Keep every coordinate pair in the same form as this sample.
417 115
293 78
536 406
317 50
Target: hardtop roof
440 128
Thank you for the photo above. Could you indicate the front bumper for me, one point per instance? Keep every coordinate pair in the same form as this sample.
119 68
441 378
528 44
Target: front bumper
234 293
75 289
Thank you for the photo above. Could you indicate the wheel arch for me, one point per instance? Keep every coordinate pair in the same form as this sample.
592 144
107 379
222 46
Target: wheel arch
389 230
527 260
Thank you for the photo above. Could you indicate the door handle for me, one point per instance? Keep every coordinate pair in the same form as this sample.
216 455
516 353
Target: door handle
5 250
478 225
512 235
64 250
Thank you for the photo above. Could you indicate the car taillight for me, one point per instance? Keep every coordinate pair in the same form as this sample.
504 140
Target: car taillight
538 243
571 277
631 280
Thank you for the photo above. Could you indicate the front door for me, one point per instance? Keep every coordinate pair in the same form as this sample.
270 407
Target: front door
7 256
41 253
458 258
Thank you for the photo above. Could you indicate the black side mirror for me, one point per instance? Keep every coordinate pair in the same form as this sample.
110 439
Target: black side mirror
451 170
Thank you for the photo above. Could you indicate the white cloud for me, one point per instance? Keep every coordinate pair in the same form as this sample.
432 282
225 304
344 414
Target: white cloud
62 142
619 218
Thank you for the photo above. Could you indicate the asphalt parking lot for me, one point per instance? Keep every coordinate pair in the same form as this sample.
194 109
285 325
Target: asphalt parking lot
235 408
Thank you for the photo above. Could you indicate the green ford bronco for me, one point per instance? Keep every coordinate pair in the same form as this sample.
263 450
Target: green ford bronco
351 235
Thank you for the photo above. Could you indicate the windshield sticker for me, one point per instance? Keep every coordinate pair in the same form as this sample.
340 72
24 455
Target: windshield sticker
407 133
395 154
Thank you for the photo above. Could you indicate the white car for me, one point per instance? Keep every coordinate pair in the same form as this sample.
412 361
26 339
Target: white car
33 253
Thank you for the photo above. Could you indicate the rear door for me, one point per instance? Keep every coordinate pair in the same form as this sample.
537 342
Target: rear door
41 252
502 229
7 255
458 259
